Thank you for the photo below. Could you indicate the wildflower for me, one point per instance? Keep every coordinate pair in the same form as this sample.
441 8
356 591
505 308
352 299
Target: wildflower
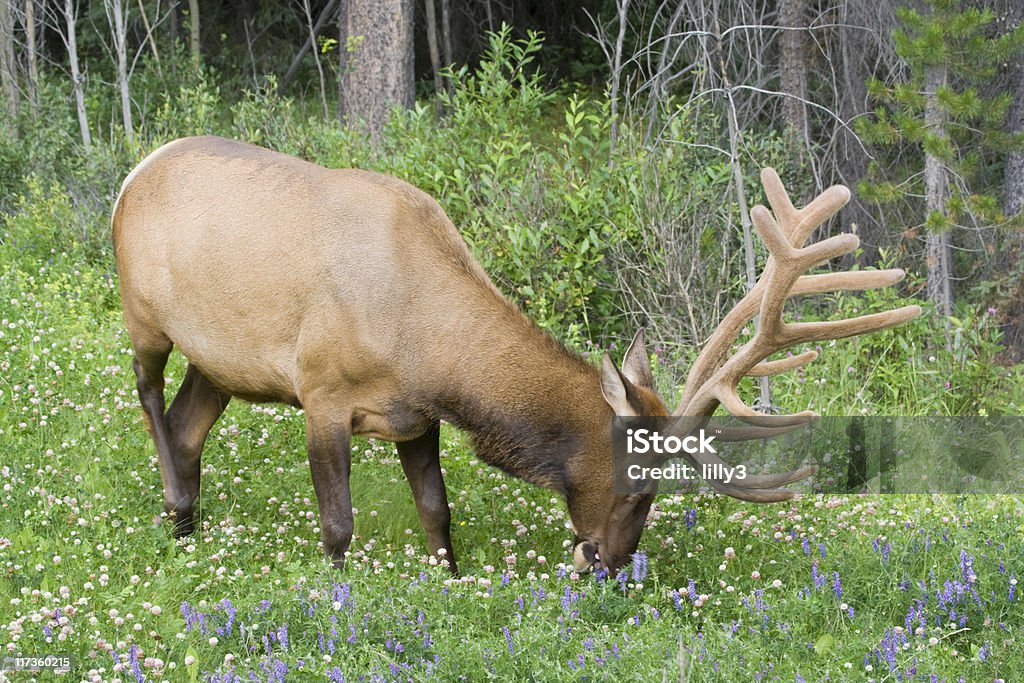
508 639
639 566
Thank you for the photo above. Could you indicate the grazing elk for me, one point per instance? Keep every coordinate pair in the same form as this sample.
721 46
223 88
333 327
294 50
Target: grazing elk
352 295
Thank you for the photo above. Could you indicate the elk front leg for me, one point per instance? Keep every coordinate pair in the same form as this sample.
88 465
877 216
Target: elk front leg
330 461
422 465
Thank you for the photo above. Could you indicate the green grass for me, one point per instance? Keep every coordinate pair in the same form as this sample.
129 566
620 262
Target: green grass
87 566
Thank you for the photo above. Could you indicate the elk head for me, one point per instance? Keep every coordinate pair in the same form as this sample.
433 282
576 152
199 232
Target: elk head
608 532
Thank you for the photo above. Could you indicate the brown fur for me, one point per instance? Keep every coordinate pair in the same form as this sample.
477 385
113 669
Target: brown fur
352 294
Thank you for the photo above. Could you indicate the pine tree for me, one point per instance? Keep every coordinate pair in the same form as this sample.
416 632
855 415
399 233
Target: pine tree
939 130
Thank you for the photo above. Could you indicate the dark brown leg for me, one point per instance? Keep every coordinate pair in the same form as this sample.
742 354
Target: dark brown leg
330 461
192 414
422 464
150 361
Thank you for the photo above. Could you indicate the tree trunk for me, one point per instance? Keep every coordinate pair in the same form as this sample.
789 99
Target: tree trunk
446 32
1013 178
764 383
446 38
33 62
1013 200
76 73
193 36
117 19
378 71
435 56
936 196
622 7
852 161
8 78
793 71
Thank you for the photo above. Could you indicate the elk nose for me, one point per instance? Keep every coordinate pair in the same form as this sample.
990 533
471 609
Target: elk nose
585 556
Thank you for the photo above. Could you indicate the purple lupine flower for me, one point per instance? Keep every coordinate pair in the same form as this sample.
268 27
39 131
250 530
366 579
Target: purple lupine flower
678 600
691 590
1013 588
819 579
229 609
508 640
639 566
807 551
837 585
984 652
821 549
342 594
966 566
186 614
622 578
282 636
885 551
133 660
690 518
335 676
759 600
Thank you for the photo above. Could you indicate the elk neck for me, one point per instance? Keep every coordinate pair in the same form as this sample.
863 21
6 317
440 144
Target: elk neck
529 404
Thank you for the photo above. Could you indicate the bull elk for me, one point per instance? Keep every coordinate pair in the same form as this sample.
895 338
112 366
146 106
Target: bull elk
352 295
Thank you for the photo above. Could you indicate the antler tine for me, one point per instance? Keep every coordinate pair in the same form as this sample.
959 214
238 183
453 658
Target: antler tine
800 223
715 375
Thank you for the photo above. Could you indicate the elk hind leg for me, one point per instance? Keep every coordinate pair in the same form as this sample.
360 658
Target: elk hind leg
192 414
151 353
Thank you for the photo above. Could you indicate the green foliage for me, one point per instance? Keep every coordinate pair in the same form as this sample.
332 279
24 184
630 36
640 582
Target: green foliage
45 221
954 45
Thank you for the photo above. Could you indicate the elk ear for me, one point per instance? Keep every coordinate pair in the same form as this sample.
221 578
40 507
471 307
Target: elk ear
615 387
636 365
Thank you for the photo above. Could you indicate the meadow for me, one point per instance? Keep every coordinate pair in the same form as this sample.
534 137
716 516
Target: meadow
823 588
